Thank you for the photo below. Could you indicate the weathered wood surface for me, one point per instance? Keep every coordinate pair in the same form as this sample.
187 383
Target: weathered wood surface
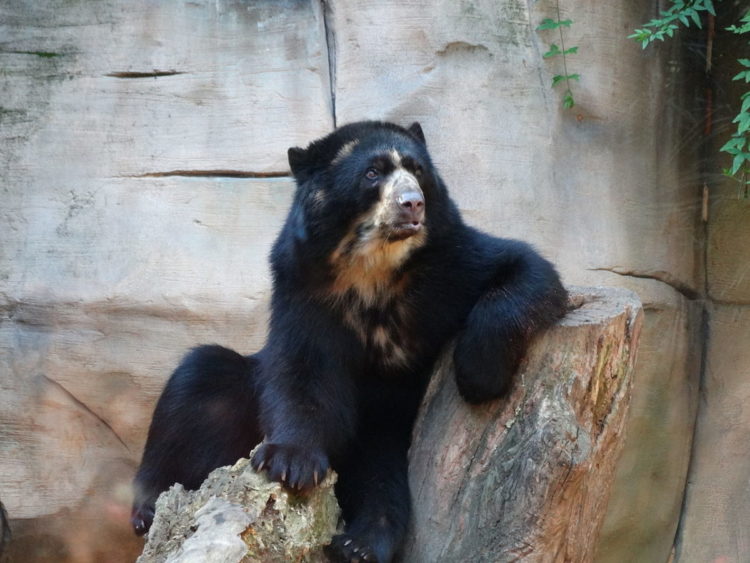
528 477
239 515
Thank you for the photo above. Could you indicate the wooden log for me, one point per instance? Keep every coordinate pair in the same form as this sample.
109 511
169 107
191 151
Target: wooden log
239 515
528 477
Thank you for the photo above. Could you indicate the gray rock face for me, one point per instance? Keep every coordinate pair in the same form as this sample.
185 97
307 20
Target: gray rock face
143 178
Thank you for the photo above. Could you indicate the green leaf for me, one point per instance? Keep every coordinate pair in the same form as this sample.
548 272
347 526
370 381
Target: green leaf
553 50
548 23
571 51
734 145
696 18
639 34
744 62
573 77
737 163
568 101
557 79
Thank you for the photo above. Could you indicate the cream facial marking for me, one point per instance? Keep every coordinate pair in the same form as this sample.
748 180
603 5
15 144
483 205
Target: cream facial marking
319 197
344 151
399 180
368 257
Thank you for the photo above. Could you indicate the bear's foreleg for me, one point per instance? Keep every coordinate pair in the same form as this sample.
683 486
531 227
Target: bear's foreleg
525 296
307 414
373 491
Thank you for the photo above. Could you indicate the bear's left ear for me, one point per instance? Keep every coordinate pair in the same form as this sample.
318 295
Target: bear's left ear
416 130
297 160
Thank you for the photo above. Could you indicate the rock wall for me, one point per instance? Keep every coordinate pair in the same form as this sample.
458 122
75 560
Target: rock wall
143 175
717 504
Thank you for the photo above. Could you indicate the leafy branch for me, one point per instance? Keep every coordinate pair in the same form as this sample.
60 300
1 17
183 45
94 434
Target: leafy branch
685 11
560 50
738 146
682 11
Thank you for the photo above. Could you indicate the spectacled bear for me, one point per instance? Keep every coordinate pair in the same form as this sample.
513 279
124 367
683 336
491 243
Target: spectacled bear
374 273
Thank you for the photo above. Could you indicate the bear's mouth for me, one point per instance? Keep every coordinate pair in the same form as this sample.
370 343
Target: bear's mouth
401 231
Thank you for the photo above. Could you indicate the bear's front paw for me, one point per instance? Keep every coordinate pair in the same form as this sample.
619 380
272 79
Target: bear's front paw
483 372
348 549
296 467
141 518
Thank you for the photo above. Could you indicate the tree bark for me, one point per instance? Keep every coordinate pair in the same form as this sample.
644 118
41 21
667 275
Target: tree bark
528 477
238 515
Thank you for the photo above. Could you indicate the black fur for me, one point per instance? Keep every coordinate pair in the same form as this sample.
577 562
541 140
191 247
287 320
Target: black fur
351 346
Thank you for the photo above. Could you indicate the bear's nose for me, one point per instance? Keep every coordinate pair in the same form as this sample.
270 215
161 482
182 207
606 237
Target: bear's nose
412 203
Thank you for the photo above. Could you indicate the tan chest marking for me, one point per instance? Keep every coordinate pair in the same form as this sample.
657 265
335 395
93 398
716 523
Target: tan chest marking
368 267
386 342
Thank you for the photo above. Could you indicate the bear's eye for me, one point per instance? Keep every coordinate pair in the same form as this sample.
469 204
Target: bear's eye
372 174
418 172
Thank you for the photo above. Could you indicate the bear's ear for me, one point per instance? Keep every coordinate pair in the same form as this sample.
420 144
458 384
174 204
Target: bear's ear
416 130
297 160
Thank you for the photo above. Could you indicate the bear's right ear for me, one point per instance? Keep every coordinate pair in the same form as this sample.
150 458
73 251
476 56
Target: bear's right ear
416 130
297 160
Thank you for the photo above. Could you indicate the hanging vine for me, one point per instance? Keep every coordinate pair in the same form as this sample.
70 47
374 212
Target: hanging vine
560 51
688 12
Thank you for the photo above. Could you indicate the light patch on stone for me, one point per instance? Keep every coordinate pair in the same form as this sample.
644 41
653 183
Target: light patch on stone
345 151
219 524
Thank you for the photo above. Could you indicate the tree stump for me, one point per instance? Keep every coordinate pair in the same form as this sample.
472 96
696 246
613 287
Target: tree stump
239 515
527 477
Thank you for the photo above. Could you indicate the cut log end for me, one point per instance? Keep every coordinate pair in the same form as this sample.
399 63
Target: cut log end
528 476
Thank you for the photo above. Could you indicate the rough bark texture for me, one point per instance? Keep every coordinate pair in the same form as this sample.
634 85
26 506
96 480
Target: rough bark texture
238 515
529 477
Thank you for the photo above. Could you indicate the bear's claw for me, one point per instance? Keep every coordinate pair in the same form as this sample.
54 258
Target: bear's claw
344 549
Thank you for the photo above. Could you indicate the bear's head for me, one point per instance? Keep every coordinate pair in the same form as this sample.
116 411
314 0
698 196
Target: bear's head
368 197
